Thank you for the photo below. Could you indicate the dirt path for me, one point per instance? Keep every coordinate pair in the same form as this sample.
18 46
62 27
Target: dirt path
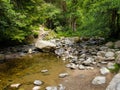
82 80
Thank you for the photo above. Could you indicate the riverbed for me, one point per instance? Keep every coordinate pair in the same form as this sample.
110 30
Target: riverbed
26 69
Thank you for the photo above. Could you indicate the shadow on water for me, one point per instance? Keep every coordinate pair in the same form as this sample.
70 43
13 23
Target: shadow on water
27 69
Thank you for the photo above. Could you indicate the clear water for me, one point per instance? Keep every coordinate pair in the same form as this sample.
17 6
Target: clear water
27 69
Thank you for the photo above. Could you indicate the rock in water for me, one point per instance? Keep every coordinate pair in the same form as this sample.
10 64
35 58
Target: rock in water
38 82
99 80
51 88
15 85
36 88
62 75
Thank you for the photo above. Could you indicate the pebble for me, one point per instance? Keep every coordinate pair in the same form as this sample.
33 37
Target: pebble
38 82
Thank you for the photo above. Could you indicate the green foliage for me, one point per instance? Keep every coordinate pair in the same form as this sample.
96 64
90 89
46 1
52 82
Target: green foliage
116 68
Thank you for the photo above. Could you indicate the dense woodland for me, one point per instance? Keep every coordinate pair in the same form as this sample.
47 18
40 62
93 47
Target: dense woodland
21 18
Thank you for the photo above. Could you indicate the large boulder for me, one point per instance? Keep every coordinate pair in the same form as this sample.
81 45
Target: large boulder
115 83
45 45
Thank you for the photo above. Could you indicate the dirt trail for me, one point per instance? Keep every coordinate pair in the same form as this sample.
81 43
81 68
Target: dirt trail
82 80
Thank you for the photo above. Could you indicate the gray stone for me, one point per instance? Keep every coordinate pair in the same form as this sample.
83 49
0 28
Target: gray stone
117 44
115 83
38 82
15 85
118 59
101 53
109 44
51 88
81 67
62 75
36 88
42 44
109 54
88 61
104 71
99 80
110 65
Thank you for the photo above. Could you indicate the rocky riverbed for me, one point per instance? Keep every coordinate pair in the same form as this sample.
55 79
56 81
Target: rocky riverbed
81 54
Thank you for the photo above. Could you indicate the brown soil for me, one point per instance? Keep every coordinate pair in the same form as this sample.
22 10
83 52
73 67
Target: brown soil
82 80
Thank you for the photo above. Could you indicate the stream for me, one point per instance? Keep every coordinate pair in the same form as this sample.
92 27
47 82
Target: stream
27 69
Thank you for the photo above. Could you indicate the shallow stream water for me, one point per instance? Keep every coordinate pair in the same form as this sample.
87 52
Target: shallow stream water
28 68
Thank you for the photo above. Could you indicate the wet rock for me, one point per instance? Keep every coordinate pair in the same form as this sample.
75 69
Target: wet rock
15 85
51 88
99 80
36 88
104 71
44 71
62 75
115 83
38 82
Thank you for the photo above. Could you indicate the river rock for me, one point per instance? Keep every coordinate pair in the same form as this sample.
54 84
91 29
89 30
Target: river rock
38 82
118 59
62 75
101 53
42 44
99 80
117 44
109 44
104 71
51 88
115 83
81 67
110 65
88 61
36 88
15 85
44 71
109 54
61 87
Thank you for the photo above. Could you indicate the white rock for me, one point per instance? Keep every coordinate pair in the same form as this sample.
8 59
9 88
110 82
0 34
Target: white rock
51 88
36 88
99 80
43 71
104 71
101 53
89 68
44 44
81 67
15 85
115 83
38 82
88 61
61 87
62 75
110 65
109 54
